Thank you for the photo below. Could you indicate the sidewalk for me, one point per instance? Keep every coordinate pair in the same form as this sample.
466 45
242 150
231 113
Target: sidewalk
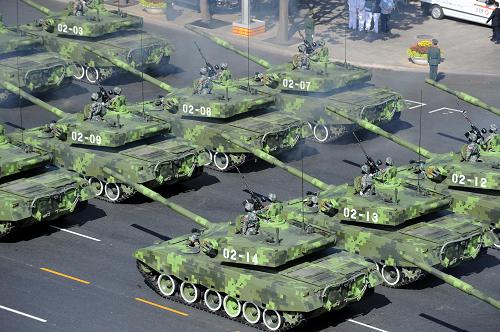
466 46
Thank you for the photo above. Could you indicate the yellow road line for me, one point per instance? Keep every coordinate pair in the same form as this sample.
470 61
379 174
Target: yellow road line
162 307
64 275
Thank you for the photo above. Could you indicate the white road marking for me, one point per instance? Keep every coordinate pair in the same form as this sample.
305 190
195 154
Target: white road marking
23 314
75 233
366 325
416 104
449 110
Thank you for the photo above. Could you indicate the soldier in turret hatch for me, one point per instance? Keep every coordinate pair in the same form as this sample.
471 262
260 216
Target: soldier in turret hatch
79 7
203 85
321 53
250 220
224 76
388 173
194 238
117 100
301 59
491 141
367 185
471 150
96 110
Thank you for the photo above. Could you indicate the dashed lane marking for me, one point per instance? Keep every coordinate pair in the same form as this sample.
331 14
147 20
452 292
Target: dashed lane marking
366 325
23 314
162 307
65 275
75 233
415 104
445 110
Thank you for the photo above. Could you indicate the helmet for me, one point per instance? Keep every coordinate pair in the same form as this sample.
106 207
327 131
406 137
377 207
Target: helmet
302 48
388 161
117 90
272 197
365 169
321 43
203 71
94 96
248 206
493 128
223 65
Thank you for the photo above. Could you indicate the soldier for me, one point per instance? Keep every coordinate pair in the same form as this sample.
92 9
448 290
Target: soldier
301 60
79 7
204 84
471 153
367 186
491 141
434 59
194 239
309 26
96 110
250 220
389 172
224 76
320 53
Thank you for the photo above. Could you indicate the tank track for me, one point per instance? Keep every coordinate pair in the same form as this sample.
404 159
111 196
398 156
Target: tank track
6 228
121 199
405 280
149 280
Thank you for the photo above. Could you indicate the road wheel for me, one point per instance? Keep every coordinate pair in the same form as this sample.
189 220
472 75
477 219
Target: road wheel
251 312
213 299
189 292
112 191
92 74
437 12
79 71
221 161
232 306
390 275
321 133
272 319
167 285
96 185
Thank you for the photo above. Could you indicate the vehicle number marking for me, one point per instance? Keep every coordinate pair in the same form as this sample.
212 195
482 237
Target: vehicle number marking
92 139
202 110
359 215
234 256
291 84
463 180
76 30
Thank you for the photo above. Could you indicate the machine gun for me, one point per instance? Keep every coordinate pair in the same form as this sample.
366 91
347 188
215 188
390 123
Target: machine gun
103 94
212 70
374 166
474 130
255 199
309 46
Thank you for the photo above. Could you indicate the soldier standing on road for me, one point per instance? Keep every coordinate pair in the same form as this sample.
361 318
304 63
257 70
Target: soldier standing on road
434 59
309 26
495 23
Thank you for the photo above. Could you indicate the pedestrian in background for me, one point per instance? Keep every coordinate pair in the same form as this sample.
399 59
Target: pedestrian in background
386 6
361 14
434 59
495 23
353 8
372 11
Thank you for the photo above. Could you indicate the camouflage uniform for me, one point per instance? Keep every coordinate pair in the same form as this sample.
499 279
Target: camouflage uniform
301 60
79 7
250 223
472 152
367 185
491 141
321 53
204 84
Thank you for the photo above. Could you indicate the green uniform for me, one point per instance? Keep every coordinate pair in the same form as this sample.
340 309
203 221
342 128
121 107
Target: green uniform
434 59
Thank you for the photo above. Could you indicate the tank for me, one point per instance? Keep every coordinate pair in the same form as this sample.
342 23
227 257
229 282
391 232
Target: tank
31 190
212 120
116 33
25 62
275 277
107 134
473 186
305 92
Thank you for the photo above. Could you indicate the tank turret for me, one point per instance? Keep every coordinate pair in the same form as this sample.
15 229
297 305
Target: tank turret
72 31
107 134
245 269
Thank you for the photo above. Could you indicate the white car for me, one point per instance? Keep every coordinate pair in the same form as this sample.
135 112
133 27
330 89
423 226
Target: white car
476 11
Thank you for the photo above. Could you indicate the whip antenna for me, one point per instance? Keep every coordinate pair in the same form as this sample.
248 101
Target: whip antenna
19 98
420 136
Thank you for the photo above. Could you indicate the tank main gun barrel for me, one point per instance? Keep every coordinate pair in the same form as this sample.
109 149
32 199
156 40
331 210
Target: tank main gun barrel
157 197
465 97
274 161
20 92
38 7
228 46
454 282
379 131
125 66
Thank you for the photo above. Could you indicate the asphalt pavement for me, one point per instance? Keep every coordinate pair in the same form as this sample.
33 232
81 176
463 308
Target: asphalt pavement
68 282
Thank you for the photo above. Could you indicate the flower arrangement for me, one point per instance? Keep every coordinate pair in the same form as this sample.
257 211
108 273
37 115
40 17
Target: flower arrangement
419 50
153 3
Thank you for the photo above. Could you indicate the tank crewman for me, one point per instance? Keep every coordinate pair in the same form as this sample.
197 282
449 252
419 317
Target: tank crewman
117 101
309 26
224 76
194 238
96 110
434 59
204 84
367 185
272 211
79 7
491 141
471 153
301 60
389 172
250 220
321 53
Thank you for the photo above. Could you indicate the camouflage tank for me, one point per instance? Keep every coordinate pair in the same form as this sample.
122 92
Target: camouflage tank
212 120
305 91
24 62
273 276
32 191
107 134
473 186
116 33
